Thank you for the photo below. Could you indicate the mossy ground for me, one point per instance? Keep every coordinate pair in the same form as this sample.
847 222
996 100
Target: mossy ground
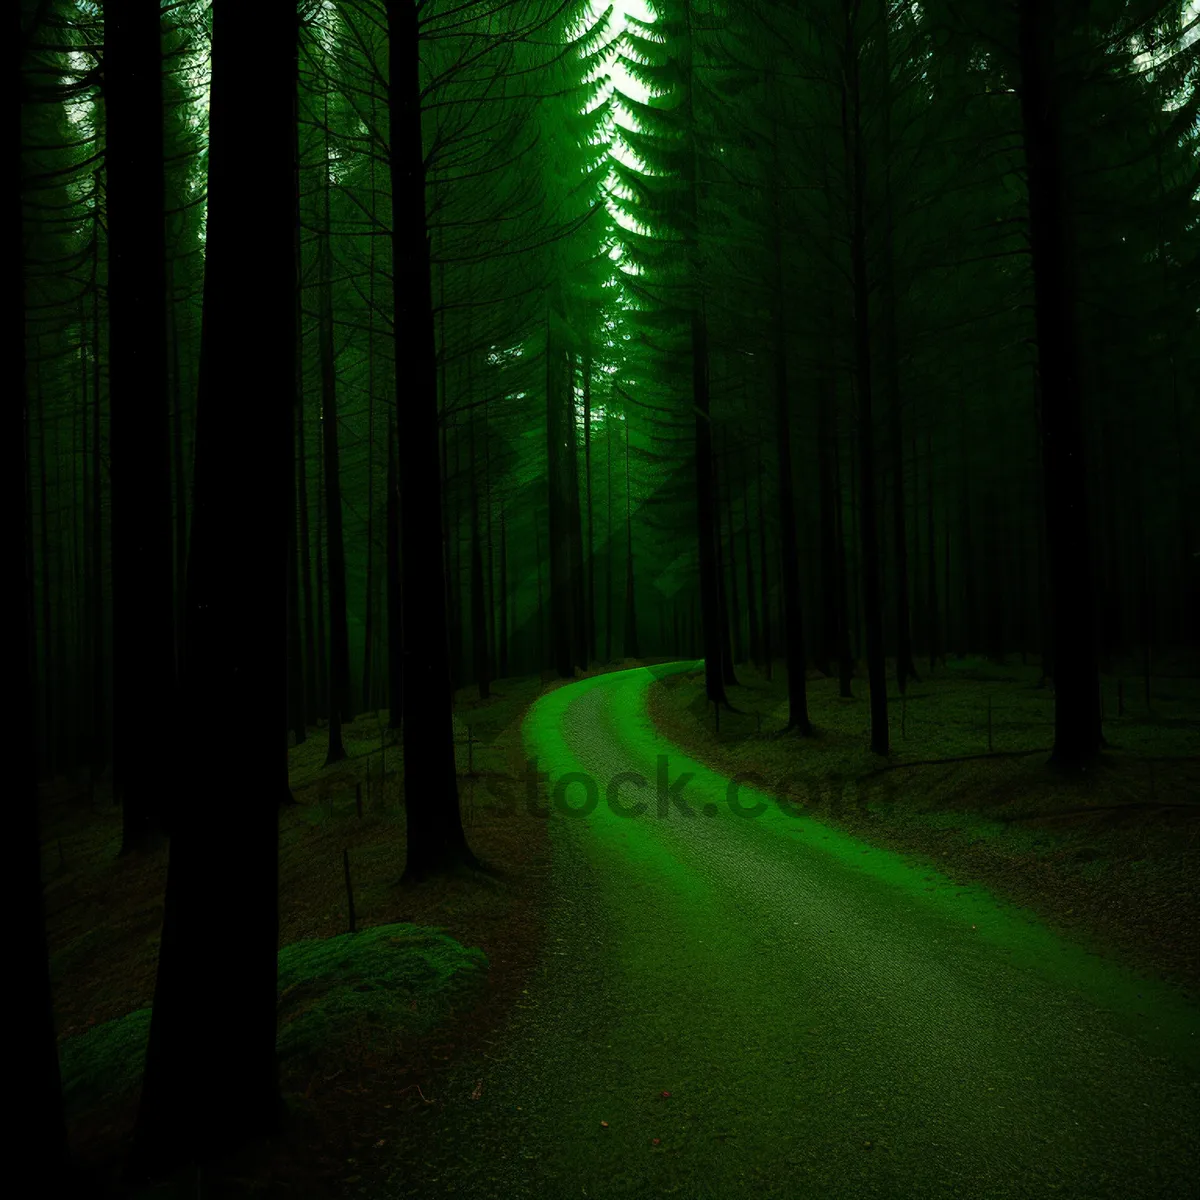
1110 856
104 915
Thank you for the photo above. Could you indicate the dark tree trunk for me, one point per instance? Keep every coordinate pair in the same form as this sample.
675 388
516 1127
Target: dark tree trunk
931 600
436 840
1077 734
211 1079
631 648
312 678
589 605
793 617
723 608
178 471
502 635
340 710
370 702
765 578
872 616
560 434
454 573
49 748
297 703
735 607
905 668
99 678
845 658
479 639
827 644
39 1126
395 602
139 437
706 531
609 545
969 619
751 604
540 632
579 637
490 606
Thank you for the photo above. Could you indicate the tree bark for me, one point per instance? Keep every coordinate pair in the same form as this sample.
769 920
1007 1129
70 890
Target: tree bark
872 616
436 840
211 1078
139 438
1077 732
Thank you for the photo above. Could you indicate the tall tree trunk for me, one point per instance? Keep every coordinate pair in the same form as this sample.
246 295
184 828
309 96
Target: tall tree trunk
395 603
872 616
369 700
609 544
751 604
490 606
632 647
312 677
1077 735
297 704
178 469
765 573
579 639
322 636
38 1122
931 599
793 617
905 667
968 631
100 675
50 748
540 632
436 839
827 643
139 440
340 710
221 905
706 533
735 608
502 636
479 639
722 597
589 606
560 434
845 656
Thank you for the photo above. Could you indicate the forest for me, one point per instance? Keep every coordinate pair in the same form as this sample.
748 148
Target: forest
829 367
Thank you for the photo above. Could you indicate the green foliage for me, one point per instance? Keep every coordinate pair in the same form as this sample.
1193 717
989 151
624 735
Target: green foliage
372 988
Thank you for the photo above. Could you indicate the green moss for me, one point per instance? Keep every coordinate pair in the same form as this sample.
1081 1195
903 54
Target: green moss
106 1061
382 983
385 983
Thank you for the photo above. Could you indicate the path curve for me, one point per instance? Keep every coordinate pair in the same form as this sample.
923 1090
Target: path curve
828 1019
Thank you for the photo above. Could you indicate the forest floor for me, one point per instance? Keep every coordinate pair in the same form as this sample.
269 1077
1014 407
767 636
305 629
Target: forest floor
735 999
1110 858
104 916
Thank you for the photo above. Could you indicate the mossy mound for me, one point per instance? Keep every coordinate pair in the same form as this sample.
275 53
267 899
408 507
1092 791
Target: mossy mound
373 988
379 985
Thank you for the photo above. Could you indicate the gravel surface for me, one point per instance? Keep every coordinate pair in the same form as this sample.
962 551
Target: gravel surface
730 1006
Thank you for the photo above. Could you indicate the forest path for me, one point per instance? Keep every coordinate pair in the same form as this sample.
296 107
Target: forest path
829 1019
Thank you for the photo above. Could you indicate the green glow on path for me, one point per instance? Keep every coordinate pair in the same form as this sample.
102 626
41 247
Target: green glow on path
872 880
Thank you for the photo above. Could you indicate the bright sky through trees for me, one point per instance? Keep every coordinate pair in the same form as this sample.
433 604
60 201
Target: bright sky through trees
621 82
